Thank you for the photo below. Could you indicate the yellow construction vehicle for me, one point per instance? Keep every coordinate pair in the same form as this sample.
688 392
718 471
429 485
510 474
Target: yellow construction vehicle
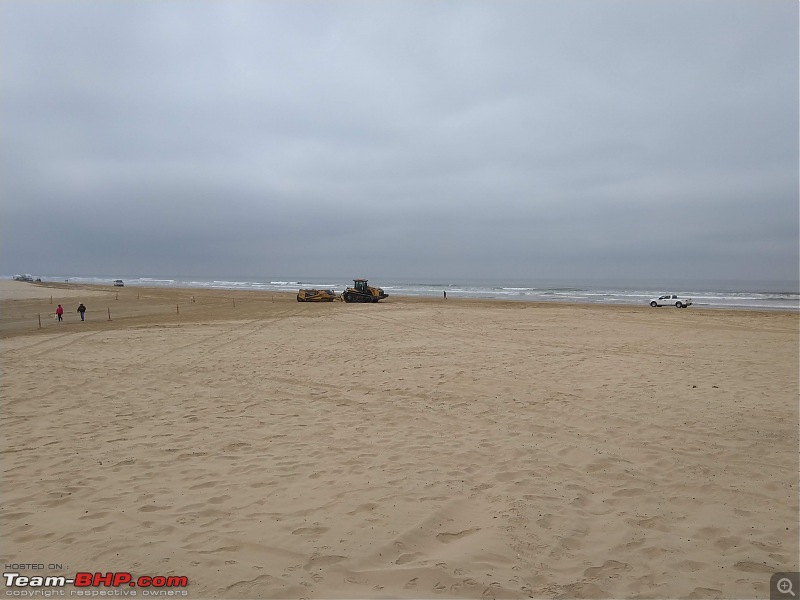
316 296
361 292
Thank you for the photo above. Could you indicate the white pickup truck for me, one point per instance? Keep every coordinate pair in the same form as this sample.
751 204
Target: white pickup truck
671 300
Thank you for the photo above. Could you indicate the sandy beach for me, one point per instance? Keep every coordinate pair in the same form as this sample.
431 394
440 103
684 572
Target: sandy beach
415 448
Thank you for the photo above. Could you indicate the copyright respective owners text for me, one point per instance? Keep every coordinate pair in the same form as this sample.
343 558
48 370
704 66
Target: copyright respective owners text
53 580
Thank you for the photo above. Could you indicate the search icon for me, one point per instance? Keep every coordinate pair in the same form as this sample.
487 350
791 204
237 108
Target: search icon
784 586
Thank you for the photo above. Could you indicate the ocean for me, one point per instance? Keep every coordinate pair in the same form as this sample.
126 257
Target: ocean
718 294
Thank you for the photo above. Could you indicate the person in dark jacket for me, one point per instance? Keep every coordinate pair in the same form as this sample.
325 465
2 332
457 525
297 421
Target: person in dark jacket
82 310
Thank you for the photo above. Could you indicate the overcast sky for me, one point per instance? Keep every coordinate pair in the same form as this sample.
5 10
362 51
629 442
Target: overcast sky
434 139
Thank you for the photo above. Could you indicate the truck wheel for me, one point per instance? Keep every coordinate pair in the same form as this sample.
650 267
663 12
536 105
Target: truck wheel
653 304
679 305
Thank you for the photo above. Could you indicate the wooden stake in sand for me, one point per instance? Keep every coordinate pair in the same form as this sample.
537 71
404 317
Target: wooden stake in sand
178 309
234 303
109 314
51 299
137 295
40 321
117 298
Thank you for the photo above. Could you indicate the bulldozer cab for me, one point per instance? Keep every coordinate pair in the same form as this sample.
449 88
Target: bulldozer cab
361 292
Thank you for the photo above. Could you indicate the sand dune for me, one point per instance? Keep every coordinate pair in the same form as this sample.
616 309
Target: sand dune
461 449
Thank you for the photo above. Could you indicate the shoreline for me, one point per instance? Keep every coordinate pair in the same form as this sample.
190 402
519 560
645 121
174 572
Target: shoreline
736 298
181 291
138 305
22 311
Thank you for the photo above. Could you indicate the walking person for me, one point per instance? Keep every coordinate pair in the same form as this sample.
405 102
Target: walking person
82 310
60 313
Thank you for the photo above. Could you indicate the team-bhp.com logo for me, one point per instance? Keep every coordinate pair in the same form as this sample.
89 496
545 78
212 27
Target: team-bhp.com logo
151 585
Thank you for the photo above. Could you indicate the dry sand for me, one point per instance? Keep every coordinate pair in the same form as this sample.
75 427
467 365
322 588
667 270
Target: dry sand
428 448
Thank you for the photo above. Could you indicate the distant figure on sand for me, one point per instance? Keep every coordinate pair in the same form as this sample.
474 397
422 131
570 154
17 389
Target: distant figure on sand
445 294
81 309
60 313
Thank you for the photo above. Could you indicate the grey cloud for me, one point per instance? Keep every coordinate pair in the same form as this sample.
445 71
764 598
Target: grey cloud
518 139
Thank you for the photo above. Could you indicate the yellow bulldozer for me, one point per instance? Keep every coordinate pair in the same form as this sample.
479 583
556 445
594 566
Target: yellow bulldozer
361 292
316 296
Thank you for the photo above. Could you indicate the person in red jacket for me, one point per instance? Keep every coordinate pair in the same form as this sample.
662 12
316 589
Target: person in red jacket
60 313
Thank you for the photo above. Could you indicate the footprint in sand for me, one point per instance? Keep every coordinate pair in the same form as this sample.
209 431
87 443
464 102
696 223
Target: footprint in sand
412 583
610 568
726 543
309 530
207 484
753 567
688 566
363 508
701 592
236 446
152 508
248 588
629 492
767 547
321 561
546 522
407 558
447 537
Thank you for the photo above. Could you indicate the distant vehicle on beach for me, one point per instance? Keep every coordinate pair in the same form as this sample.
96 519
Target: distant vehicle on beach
671 300
26 277
361 292
119 283
316 296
